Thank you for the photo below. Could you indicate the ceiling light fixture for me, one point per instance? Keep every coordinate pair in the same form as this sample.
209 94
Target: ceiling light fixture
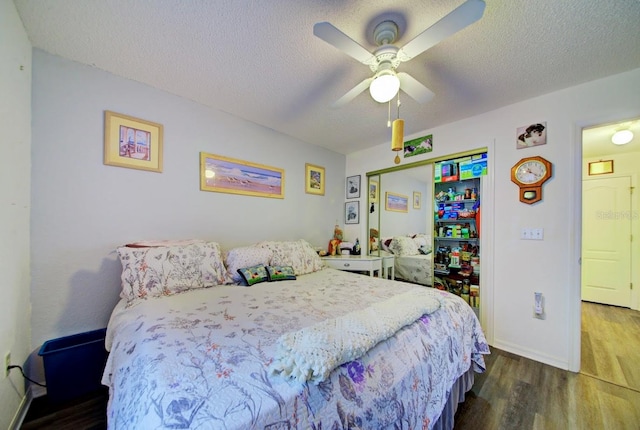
622 137
385 84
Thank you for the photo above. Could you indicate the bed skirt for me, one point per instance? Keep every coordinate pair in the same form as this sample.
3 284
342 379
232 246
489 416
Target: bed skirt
456 396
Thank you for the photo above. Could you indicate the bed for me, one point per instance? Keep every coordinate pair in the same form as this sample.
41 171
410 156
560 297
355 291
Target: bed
203 354
413 260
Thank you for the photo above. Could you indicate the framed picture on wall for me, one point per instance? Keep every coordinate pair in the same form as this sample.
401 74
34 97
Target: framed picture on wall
531 135
373 191
396 202
132 142
417 199
352 212
229 175
353 187
313 179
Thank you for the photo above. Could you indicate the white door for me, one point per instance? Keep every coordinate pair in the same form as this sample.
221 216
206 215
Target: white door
606 241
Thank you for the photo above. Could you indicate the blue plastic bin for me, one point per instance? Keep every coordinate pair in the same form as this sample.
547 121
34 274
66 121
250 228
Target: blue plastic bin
73 365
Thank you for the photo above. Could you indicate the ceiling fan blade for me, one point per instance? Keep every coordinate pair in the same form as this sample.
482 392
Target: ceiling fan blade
352 93
338 39
461 17
414 88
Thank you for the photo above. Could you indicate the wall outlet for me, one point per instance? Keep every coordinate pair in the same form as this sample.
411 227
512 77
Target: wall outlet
7 363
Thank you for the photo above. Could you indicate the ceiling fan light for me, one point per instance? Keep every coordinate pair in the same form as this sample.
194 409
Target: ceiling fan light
622 137
384 87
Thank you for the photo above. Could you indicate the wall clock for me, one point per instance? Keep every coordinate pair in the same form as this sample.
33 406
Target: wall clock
529 174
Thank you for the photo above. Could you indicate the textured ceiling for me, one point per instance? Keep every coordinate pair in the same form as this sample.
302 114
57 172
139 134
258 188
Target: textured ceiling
260 61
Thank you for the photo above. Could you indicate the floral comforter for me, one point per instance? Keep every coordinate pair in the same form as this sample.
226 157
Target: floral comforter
200 359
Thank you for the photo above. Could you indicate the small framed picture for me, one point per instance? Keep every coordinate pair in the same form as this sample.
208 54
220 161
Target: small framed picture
352 212
132 142
417 198
601 167
373 191
353 187
531 135
314 179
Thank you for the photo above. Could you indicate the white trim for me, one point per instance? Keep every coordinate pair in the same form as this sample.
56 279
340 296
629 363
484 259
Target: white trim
21 413
535 355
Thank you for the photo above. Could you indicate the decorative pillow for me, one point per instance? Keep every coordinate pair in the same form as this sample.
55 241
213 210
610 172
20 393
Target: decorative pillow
246 256
403 245
425 250
162 271
254 275
298 254
280 273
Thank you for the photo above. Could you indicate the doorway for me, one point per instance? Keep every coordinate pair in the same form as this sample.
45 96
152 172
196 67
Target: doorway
610 348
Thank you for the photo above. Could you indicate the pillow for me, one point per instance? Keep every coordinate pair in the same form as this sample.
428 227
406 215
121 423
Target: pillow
280 273
424 250
403 245
246 256
420 241
298 254
163 271
254 275
385 242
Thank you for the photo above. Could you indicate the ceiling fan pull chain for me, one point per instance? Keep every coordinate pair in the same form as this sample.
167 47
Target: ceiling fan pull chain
389 115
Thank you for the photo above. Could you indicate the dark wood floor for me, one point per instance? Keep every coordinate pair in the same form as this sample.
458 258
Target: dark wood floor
514 392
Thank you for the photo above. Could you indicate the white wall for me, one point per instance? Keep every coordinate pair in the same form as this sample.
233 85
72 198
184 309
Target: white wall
520 268
83 209
15 170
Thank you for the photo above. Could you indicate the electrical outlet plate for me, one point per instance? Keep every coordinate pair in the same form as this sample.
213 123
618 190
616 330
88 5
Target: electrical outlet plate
7 363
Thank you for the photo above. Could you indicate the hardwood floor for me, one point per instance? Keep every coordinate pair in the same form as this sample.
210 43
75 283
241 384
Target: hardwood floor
515 393
518 393
611 344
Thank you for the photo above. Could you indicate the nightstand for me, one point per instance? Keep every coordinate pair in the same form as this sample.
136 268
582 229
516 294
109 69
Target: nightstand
354 263
388 266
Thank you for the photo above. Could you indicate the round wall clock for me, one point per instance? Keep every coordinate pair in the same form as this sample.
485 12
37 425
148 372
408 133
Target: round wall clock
529 174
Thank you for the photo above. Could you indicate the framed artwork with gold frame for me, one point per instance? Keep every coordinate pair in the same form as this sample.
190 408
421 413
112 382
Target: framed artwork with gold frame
230 175
132 142
314 179
602 167
373 191
417 199
396 202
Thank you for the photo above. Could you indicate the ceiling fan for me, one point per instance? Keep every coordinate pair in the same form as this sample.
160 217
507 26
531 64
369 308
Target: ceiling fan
383 62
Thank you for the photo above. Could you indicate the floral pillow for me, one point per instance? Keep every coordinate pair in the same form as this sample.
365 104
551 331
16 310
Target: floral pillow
298 254
163 271
403 245
246 256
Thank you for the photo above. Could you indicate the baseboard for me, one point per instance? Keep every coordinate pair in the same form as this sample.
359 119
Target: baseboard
531 354
20 415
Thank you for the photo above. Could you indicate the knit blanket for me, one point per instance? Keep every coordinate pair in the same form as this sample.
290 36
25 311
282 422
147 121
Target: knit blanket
310 354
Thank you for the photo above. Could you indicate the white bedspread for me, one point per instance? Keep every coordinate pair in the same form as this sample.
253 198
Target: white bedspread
311 353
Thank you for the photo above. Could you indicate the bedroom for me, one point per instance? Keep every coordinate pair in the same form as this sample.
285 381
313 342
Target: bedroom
71 211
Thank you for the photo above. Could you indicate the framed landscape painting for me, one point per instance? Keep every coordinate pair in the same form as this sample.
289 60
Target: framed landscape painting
396 202
229 175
